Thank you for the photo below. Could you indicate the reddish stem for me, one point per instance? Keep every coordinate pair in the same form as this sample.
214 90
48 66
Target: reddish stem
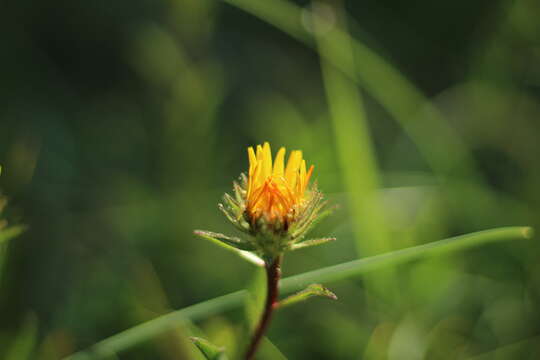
273 274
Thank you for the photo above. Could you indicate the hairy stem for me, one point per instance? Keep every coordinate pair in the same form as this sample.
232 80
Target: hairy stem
273 274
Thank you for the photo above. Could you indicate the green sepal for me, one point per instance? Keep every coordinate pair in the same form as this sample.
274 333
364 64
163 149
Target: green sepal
312 217
239 193
317 217
235 218
233 203
209 350
252 258
310 242
308 214
224 242
235 242
310 291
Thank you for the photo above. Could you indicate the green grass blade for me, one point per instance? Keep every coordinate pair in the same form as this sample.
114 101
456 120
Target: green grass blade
143 332
359 168
353 139
152 328
362 266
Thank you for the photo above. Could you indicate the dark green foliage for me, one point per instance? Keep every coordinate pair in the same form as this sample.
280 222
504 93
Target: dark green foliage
122 123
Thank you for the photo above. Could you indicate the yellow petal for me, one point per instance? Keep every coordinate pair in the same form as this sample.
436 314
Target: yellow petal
291 171
279 162
267 161
302 177
252 158
251 171
259 153
257 178
260 157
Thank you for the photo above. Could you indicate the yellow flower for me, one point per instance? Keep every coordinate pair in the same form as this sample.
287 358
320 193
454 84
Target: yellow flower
275 191
274 206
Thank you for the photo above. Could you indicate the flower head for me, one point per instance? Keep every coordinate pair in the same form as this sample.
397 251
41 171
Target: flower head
274 204
275 192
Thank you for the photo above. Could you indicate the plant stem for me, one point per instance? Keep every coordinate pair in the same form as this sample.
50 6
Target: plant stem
273 274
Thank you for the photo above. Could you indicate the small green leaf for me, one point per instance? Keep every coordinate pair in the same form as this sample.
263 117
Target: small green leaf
311 290
228 240
310 242
209 350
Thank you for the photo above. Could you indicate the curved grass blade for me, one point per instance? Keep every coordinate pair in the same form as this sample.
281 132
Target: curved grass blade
145 331
403 100
152 328
436 248
354 144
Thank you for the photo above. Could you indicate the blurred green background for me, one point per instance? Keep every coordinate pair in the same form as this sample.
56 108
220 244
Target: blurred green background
122 123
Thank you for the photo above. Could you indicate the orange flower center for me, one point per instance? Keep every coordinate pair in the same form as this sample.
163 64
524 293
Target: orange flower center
274 191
